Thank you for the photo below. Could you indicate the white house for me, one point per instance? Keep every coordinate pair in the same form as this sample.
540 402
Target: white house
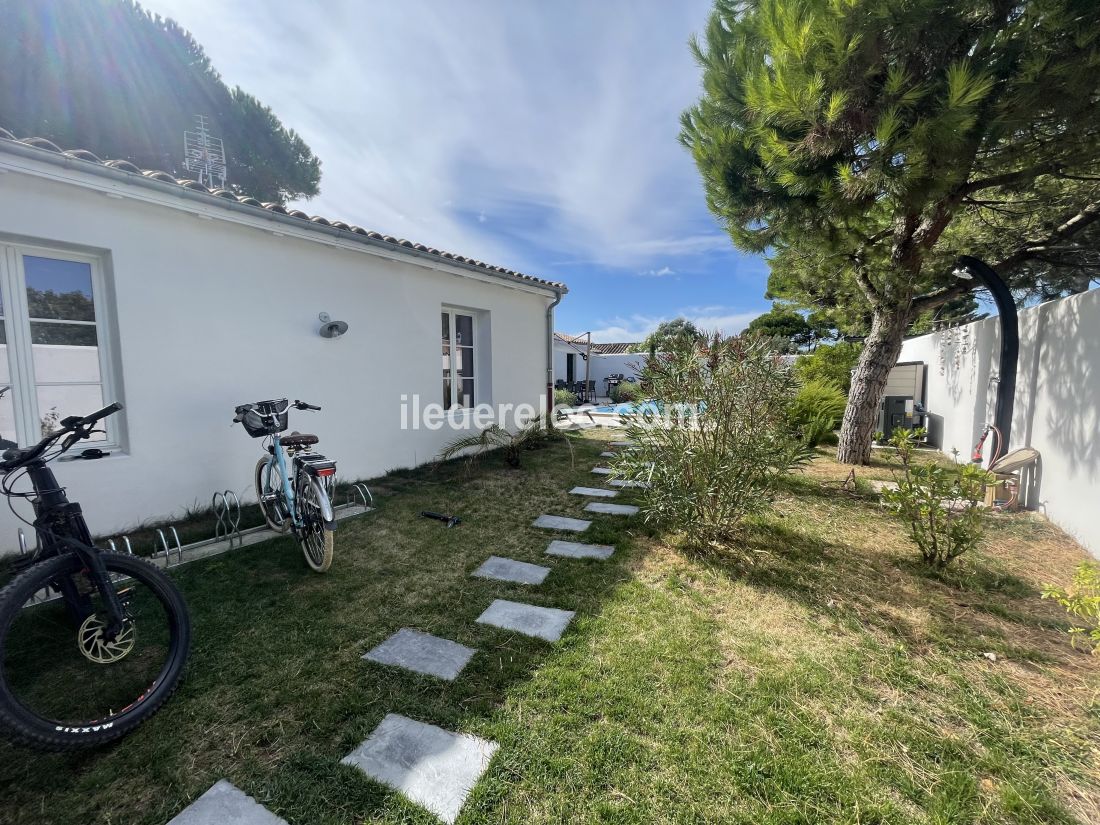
129 285
572 355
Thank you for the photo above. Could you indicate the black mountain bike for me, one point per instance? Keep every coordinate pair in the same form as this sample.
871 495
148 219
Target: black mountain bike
92 642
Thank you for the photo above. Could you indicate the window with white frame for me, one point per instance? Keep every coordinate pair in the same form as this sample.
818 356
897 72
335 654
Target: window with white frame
459 380
54 344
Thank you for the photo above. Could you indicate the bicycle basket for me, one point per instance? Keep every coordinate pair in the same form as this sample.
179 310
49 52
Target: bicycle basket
266 418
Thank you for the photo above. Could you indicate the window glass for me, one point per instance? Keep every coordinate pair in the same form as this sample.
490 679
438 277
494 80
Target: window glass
59 289
61 374
458 360
56 401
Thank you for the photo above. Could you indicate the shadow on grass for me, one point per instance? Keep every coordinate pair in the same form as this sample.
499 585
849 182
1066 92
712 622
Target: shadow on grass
276 691
880 583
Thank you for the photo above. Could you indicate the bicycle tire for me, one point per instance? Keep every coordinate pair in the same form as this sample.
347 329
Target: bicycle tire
316 537
26 727
274 512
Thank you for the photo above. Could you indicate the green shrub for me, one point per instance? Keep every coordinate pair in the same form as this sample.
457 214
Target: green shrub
626 391
719 442
1082 600
472 447
940 505
816 410
565 398
833 362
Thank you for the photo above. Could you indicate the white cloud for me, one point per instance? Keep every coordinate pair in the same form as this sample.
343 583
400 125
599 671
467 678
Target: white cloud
556 122
658 273
708 319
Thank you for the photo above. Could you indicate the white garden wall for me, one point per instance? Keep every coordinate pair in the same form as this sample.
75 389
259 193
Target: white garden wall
212 309
1057 406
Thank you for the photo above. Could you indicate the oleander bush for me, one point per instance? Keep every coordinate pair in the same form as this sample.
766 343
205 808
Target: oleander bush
940 505
626 391
718 442
816 410
1082 601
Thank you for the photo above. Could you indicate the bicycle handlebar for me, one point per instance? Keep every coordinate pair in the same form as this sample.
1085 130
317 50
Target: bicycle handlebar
73 426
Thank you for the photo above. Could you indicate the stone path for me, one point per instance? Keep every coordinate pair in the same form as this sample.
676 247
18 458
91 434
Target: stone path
547 623
422 653
509 570
576 550
573 525
225 804
626 482
611 509
596 492
431 766
621 443
608 454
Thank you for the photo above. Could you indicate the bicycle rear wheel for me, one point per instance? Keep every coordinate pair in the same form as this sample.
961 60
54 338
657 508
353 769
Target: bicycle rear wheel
63 684
315 535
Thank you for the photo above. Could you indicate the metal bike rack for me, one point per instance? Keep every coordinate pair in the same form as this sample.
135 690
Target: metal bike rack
125 540
227 510
167 549
358 494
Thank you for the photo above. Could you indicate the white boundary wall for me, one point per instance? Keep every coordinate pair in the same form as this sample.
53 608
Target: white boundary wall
1057 406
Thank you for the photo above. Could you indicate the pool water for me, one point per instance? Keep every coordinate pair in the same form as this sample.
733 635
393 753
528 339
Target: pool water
629 408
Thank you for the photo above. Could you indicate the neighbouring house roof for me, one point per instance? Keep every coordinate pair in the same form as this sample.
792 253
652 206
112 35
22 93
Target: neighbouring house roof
580 342
123 170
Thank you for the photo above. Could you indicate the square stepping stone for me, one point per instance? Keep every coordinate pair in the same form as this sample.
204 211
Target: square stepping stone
433 767
576 550
575 525
509 570
602 471
628 482
422 653
611 509
621 444
546 623
225 804
595 492
608 455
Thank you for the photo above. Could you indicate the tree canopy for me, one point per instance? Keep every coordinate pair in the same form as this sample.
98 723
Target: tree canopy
864 144
669 335
785 325
108 76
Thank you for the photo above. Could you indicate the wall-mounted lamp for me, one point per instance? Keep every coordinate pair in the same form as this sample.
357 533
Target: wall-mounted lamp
330 328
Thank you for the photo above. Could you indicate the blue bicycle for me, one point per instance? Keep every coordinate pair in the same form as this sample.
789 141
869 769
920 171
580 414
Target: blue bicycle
302 504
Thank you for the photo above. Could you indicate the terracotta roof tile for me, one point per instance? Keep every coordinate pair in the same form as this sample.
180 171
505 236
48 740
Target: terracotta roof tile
84 156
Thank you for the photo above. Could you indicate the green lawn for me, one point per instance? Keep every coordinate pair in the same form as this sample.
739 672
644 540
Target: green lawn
831 680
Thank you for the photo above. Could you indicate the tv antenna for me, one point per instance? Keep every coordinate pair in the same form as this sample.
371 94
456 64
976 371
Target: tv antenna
203 155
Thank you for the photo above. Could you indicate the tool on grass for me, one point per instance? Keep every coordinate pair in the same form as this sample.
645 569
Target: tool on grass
450 521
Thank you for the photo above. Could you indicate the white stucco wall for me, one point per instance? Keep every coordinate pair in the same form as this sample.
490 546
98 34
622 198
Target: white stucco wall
216 312
1057 404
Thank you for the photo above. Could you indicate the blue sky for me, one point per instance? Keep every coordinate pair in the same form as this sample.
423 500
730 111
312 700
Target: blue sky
535 135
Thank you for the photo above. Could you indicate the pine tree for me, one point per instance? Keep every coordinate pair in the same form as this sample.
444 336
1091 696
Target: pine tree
854 139
108 76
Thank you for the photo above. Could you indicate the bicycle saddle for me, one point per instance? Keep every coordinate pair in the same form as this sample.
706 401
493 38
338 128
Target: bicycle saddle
297 439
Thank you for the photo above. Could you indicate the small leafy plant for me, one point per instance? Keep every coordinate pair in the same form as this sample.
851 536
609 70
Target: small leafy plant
626 391
816 410
940 504
565 398
1082 600
494 437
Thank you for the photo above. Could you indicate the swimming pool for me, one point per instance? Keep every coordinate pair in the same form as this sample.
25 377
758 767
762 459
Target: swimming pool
629 408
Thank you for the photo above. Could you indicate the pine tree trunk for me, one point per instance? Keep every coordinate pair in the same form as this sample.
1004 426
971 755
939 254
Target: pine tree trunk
880 353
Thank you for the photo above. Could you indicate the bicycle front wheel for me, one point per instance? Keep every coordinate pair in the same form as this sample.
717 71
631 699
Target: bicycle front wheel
315 535
65 682
269 486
